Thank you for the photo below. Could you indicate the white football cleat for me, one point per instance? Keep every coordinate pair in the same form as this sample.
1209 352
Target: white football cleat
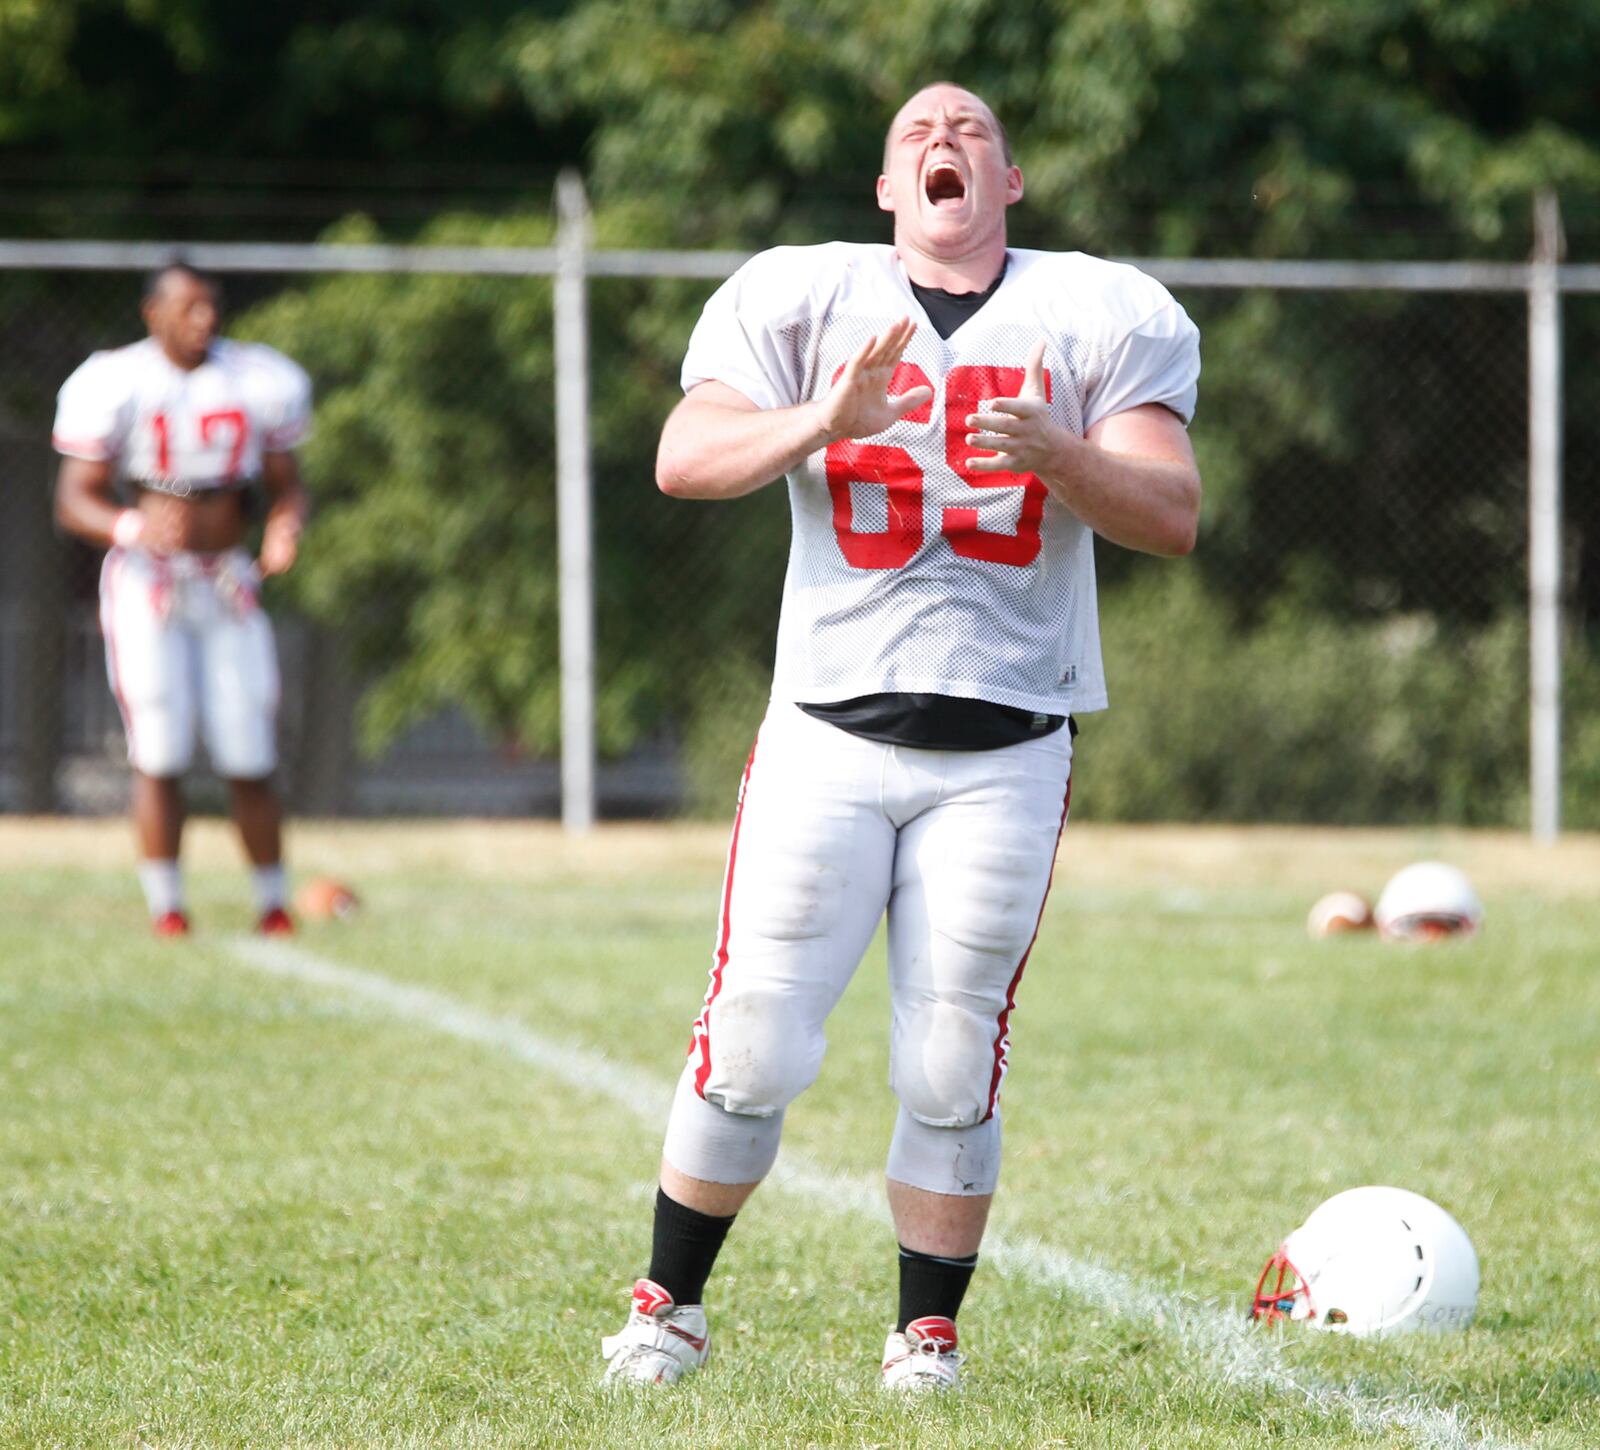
923 1358
660 1343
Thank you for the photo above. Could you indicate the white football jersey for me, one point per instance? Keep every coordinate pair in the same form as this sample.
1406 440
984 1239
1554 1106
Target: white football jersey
908 571
203 428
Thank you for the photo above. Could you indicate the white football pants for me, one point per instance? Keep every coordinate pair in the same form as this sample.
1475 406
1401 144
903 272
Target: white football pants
833 830
187 646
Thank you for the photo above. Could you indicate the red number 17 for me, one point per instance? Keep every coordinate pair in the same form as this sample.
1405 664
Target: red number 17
895 471
208 423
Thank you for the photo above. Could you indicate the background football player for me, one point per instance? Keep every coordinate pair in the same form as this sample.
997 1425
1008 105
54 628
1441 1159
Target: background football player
181 425
957 419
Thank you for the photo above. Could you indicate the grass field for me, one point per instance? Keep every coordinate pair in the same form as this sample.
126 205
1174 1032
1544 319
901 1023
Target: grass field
380 1188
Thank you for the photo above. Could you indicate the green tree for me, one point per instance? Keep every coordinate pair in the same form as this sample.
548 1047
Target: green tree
1304 128
1197 126
1208 125
433 545
133 117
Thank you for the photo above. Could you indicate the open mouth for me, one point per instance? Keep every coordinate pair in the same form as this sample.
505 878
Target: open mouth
944 185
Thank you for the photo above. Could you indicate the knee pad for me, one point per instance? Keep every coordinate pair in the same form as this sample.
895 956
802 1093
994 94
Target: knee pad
961 1161
942 1064
710 1143
754 1060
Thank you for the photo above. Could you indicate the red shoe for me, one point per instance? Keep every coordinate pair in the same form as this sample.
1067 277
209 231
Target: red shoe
276 922
170 923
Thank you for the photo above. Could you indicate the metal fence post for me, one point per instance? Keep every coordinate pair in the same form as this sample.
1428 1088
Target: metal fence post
1544 519
574 531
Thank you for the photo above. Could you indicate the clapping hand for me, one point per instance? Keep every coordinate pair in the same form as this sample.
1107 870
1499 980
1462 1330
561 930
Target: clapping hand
859 404
1017 431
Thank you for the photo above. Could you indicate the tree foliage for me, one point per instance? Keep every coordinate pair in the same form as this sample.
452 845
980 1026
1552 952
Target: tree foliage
144 80
1144 125
1186 126
1379 128
435 518
433 546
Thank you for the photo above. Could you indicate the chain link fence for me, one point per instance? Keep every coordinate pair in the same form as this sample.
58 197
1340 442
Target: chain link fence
1348 644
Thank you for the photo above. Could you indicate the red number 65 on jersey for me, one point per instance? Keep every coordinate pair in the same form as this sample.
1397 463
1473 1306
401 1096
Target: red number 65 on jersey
898 473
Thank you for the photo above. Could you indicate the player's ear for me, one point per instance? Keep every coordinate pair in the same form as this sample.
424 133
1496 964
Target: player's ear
1013 185
885 200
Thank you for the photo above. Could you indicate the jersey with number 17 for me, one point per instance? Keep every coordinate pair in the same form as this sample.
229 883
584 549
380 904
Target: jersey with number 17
908 569
200 428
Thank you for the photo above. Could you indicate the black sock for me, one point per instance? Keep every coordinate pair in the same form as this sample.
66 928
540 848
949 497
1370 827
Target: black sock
684 1246
931 1285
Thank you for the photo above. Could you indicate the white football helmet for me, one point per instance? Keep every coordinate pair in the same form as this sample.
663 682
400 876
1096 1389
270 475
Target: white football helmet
1427 901
1373 1261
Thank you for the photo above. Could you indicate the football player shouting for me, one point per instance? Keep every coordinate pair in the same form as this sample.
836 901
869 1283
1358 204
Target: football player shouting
956 419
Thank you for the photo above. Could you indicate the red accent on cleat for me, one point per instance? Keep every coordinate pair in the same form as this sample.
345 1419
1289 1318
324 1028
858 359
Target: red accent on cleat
650 1298
170 923
935 1330
696 1342
276 922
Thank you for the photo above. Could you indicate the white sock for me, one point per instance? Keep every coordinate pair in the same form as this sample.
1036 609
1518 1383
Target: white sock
163 886
271 885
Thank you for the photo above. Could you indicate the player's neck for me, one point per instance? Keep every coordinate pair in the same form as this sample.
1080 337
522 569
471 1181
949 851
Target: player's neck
975 271
188 362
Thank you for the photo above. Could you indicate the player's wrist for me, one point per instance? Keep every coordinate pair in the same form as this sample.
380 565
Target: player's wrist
1065 453
825 428
127 529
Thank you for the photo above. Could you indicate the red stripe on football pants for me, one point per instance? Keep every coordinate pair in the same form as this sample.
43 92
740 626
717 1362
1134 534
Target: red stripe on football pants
700 1038
1001 1042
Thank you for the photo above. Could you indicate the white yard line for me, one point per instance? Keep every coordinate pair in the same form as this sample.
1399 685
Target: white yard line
1222 1339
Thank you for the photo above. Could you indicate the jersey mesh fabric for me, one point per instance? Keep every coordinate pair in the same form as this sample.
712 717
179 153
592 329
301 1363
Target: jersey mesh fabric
941 623
903 606
207 426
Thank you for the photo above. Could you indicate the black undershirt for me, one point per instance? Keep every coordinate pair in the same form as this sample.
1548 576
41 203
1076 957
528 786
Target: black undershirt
939 722
948 310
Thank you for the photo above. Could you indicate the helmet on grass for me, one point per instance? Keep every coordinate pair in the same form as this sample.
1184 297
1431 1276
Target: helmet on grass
1372 1261
1427 901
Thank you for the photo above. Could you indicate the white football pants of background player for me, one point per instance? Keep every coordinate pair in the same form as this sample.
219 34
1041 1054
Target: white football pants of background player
187 646
832 830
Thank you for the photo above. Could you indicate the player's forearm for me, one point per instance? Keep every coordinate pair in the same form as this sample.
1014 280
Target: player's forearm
1148 504
88 519
289 509
286 513
83 506
287 500
711 451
